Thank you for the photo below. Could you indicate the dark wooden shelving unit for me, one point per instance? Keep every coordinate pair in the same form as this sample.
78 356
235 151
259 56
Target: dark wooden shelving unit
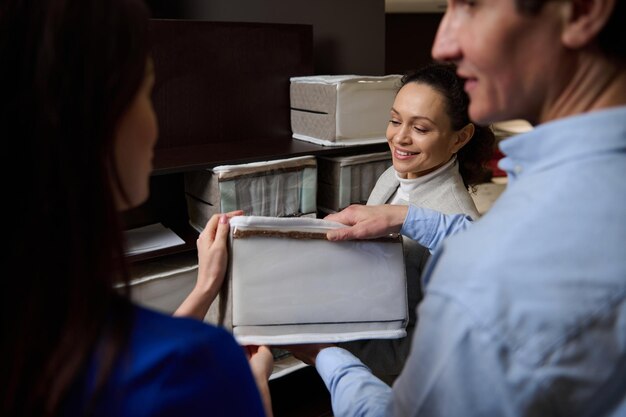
221 96
206 156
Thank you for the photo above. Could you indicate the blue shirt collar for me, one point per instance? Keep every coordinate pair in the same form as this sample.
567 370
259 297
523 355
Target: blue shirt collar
569 138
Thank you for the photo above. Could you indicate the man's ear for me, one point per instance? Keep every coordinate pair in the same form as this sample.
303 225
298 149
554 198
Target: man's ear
585 21
463 136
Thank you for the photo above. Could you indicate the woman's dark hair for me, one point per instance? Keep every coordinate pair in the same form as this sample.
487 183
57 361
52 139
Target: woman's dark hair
612 37
474 156
70 69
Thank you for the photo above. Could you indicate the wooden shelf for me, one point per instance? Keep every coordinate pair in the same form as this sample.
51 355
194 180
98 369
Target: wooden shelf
189 158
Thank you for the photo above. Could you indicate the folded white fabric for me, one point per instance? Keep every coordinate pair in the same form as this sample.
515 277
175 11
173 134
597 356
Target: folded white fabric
288 284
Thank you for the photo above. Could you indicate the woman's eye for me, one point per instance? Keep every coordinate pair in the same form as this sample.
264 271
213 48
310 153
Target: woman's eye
419 129
394 122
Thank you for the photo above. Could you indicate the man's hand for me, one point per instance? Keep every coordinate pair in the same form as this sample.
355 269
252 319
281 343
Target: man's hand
367 222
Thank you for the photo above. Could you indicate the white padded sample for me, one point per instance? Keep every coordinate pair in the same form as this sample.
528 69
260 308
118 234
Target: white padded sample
289 287
345 180
341 110
285 187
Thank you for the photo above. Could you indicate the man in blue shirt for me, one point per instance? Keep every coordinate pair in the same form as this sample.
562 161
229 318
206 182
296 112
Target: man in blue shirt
524 311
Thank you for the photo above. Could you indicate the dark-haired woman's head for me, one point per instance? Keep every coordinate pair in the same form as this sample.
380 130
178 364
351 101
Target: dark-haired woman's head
430 125
74 89
72 69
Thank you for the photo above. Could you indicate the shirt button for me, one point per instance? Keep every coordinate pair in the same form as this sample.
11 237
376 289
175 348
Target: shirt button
518 169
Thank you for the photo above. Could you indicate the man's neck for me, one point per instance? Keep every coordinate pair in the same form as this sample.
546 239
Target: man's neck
596 84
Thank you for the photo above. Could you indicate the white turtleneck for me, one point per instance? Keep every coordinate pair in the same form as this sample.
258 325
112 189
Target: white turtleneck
408 186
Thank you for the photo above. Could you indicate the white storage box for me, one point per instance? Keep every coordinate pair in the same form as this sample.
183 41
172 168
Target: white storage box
288 284
341 110
164 283
280 188
346 180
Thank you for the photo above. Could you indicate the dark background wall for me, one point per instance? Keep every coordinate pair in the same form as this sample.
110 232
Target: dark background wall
408 40
348 35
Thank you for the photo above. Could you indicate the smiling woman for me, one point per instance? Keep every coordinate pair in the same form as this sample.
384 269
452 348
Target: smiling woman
420 134
430 127
437 154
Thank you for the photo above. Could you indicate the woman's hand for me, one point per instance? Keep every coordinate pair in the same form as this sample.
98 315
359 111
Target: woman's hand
261 363
367 222
212 247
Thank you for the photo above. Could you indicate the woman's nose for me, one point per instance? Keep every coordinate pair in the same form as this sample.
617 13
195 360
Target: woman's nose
401 135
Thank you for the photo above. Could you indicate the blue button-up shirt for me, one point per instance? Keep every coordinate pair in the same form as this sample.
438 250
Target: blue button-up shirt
524 312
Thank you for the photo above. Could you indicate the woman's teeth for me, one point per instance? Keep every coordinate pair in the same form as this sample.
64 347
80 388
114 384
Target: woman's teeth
402 153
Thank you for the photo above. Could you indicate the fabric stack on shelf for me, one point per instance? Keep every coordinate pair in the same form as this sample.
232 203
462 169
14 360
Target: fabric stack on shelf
345 180
281 188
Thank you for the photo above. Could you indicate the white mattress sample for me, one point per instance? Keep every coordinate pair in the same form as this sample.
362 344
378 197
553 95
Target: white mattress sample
345 180
342 110
288 284
164 283
285 187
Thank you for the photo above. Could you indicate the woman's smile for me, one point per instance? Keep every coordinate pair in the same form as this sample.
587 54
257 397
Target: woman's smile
403 154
